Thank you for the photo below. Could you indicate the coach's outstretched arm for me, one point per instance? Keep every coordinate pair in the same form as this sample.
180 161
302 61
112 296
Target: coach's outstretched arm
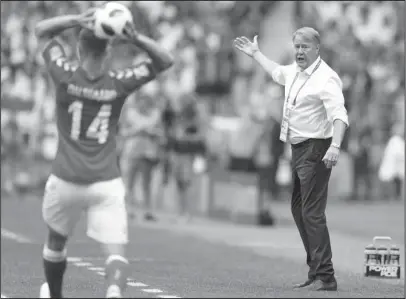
160 57
252 49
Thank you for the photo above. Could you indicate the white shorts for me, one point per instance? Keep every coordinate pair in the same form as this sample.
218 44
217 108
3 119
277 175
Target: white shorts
103 203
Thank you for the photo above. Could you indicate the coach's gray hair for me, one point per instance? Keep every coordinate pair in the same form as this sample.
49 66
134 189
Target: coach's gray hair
309 33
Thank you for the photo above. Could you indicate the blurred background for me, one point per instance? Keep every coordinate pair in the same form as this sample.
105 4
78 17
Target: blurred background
240 105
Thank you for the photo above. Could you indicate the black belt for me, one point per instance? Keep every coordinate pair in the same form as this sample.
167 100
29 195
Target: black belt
307 141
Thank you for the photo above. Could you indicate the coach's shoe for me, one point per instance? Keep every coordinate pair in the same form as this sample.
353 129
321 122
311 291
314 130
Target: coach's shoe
320 285
307 283
113 291
44 291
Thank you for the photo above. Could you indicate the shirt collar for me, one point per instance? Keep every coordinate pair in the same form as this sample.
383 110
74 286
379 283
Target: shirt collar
310 69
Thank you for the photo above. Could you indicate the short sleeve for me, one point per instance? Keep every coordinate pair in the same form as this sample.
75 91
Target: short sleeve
59 68
130 79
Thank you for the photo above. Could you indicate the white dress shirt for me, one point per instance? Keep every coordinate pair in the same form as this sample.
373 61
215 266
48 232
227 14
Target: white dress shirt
393 161
318 104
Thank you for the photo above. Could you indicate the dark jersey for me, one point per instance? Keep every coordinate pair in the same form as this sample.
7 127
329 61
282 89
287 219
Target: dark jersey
187 130
87 115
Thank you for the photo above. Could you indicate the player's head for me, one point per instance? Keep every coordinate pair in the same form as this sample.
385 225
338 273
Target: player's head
306 41
91 46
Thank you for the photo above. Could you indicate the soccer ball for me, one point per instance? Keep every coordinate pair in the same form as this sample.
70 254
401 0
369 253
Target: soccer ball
111 19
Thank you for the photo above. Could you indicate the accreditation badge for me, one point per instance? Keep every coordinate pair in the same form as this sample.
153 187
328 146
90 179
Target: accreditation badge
285 123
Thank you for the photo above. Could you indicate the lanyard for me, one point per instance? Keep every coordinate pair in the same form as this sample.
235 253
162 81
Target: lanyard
294 80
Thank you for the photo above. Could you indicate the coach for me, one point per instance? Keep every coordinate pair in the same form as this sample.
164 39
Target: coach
314 123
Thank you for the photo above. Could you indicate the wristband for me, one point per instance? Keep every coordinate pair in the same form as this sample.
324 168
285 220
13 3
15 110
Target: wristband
333 144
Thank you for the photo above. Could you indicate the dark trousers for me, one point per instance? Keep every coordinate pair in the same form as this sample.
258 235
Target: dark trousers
309 199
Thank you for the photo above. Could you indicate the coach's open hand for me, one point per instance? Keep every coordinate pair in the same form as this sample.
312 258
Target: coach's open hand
244 45
331 157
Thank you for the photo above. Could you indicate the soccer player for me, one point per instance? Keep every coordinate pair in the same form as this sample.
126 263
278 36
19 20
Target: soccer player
142 152
187 146
85 173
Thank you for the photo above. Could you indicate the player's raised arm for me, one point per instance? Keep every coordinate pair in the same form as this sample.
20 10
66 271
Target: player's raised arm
161 58
50 28
53 52
132 78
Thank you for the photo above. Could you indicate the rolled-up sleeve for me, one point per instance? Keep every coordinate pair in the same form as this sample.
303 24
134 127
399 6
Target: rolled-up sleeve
333 100
279 74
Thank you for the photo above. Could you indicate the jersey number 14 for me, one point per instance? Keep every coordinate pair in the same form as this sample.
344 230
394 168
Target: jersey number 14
99 127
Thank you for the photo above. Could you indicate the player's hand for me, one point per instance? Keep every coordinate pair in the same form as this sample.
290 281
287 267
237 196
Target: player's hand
331 157
129 32
87 19
246 46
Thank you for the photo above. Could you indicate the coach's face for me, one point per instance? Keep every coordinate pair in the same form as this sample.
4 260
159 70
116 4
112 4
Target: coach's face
306 49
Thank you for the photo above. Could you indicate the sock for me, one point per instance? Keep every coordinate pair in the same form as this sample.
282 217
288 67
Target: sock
116 274
54 268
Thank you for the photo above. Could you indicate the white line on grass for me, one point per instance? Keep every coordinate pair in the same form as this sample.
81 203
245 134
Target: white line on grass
14 236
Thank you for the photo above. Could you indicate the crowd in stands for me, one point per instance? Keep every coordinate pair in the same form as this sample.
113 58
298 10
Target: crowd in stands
363 41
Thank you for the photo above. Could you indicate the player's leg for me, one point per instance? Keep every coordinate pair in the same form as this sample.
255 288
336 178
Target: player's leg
184 172
130 173
60 217
147 168
397 182
177 173
264 197
165 172
166 167
107 224
54 263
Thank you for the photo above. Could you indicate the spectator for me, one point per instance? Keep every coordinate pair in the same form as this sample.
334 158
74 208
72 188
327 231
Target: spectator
143 151
392 171
362 183
262 157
